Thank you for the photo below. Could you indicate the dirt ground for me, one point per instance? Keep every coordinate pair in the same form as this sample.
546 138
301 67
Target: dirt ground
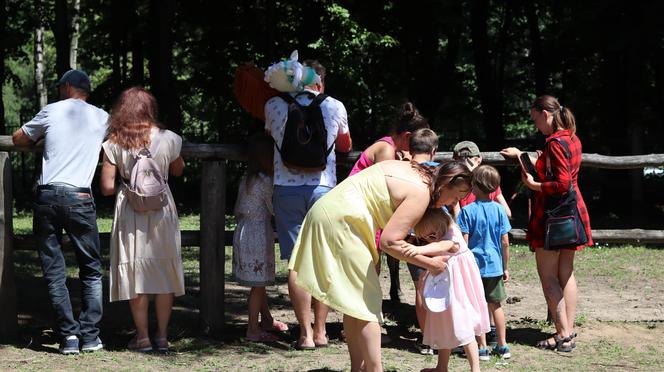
620 324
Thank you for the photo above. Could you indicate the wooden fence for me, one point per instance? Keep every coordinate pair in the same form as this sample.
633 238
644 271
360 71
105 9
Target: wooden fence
212 237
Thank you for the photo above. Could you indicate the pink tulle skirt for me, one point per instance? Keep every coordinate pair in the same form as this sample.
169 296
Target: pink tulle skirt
467 315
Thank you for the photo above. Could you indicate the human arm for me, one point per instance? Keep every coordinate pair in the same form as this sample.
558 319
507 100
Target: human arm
515 153
33 130
176 168
406 215
431 249
465 237
560 180
505 242
383 151
107 178
500 198
343 143
19 138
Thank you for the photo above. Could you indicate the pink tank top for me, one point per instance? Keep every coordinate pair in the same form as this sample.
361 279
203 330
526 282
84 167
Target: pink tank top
364 161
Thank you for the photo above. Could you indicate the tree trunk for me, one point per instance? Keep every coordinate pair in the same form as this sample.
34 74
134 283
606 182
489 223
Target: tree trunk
42 97
536 51
490 102
75 24
137 60
61 32
3 27
162 82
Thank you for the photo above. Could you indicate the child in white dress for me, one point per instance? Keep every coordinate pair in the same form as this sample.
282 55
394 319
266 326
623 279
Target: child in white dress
253 241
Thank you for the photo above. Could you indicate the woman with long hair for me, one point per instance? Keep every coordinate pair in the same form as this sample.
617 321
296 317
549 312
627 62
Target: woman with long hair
335 253
145 245
557 172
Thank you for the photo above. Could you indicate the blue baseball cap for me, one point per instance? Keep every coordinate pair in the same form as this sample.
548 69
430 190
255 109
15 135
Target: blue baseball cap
77 79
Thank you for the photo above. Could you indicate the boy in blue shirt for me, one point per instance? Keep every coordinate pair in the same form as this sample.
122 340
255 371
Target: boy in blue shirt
485 225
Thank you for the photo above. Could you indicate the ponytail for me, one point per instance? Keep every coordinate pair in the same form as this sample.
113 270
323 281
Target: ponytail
409 119
563 118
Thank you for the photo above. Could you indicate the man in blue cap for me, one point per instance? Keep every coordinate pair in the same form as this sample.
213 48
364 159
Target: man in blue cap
73 131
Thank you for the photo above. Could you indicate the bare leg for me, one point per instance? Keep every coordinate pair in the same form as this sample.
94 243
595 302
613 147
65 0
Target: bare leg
499 317
256 300
395 284
266 317
320 317
139 312
547 268
443 361
352 342
365 339
301 301
482 341
420 311
472 355
163 307
568 282
369 337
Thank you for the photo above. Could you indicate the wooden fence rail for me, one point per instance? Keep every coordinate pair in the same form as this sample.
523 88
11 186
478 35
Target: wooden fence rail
212 238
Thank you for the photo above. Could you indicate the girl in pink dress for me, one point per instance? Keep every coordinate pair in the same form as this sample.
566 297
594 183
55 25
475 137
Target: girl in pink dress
457 312
392 147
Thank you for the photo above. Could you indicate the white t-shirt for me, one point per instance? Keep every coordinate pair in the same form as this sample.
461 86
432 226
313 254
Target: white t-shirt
336 123
73 132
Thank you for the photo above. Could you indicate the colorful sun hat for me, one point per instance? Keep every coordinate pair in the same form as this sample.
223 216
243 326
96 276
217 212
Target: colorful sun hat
290 75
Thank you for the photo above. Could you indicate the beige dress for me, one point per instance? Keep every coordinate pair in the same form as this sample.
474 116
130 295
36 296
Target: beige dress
145 246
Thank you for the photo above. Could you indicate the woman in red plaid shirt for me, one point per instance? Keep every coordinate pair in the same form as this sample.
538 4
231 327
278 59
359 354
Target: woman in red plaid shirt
555 267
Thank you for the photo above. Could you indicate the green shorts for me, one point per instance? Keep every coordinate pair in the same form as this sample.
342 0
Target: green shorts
494 289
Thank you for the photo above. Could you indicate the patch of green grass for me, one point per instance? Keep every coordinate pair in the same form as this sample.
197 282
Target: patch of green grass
580 320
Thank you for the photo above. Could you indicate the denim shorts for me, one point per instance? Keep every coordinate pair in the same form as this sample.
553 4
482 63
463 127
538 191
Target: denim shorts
291 204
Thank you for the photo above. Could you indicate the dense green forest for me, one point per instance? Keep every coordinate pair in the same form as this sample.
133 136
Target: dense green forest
472 67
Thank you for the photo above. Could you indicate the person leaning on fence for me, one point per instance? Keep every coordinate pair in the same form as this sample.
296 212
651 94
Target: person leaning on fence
145 244
73 131
556 171
296 191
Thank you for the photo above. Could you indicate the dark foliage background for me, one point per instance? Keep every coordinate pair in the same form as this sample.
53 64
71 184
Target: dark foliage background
472 67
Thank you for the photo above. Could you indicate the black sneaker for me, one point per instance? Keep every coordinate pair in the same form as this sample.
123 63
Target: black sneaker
90 346
69 345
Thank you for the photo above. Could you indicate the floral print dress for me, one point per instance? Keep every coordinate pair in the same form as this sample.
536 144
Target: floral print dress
253 241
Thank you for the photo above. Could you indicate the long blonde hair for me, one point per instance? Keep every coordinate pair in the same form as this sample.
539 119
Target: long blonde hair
433 225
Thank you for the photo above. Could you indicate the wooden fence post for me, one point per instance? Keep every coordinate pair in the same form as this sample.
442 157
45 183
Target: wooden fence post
8 314
213 252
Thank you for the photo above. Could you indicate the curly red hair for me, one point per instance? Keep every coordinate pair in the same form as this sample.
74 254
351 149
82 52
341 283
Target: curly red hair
132 116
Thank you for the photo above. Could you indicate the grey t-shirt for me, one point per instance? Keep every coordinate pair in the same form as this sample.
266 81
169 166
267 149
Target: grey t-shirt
73 132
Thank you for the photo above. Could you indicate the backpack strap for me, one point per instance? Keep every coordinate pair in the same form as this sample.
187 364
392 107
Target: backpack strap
568 155
316 102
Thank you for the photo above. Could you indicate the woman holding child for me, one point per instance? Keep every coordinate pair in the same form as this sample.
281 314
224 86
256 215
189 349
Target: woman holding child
335 253
145 245
556 169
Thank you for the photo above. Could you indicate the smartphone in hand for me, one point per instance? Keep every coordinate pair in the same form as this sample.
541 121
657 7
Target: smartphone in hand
527 165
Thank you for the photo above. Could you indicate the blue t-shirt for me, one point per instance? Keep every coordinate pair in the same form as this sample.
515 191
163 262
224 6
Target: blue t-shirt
485 221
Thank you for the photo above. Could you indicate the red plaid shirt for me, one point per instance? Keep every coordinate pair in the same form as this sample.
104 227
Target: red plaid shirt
557 183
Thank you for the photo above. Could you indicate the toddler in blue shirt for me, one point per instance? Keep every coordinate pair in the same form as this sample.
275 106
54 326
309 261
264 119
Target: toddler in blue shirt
485 225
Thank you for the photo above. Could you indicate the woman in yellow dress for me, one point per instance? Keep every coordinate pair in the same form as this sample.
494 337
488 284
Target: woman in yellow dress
335 253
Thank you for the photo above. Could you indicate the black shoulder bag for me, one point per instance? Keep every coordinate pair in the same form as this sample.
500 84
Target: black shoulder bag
563 225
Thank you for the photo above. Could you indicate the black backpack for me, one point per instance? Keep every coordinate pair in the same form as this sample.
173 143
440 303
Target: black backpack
304 146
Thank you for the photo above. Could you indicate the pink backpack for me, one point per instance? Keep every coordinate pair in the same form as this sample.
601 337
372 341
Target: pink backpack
147 188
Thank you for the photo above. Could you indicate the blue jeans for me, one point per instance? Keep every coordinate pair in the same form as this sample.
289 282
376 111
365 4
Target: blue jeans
291 204
72 209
